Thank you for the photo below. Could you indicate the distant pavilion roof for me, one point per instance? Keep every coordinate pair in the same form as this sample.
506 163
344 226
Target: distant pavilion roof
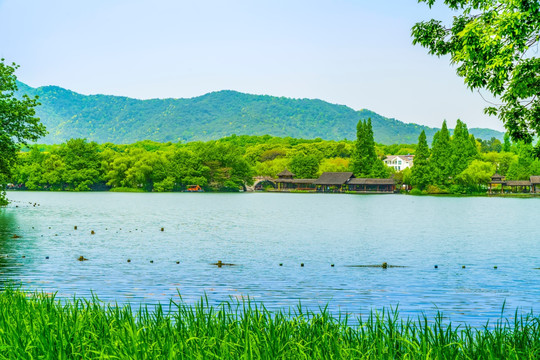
285 173
497 179
366 181
333 178
295 181
535 180
518 183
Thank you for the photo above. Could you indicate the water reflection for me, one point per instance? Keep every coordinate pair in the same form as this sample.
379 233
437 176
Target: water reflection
9 238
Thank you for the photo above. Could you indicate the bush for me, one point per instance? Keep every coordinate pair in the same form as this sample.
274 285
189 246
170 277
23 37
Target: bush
434 189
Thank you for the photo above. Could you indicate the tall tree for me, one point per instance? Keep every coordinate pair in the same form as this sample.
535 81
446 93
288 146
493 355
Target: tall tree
18 123
491 42
440 162
365 162
463 148
360 156
421 172
507 145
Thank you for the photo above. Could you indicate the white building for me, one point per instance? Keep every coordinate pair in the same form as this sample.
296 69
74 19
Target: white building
399 162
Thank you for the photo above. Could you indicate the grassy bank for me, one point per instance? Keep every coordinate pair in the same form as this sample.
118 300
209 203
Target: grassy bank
39 326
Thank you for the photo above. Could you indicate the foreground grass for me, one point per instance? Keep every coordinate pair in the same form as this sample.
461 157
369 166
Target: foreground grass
39 326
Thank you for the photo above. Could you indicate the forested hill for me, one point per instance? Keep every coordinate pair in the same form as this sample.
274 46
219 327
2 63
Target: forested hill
116 119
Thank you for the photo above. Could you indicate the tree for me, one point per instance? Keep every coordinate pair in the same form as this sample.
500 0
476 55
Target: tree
476 175
420 172
441 151
18 123
304 166
490 42
507 145
463 148
365 162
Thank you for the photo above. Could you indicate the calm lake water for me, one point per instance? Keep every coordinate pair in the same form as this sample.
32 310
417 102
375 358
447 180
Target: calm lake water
258 231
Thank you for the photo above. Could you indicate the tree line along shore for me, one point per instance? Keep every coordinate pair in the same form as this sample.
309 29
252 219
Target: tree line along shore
455 164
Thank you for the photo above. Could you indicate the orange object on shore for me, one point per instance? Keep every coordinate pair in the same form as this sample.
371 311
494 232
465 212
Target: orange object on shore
194 188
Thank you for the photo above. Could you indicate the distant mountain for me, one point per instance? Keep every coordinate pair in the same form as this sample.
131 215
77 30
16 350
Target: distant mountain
105 118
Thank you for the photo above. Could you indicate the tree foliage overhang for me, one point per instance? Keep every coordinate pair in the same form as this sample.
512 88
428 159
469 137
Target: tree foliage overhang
494 44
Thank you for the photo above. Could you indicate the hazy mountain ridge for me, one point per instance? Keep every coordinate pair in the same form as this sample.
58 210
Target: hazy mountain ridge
117 119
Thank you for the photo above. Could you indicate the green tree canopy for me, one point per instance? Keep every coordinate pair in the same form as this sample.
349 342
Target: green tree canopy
441 153
420 173
492 42
18 123
365 162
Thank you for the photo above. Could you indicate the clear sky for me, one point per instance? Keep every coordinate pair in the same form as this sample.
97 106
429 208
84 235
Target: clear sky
353 52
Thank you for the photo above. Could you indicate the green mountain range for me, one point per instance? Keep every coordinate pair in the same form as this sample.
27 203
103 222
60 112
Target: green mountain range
105 118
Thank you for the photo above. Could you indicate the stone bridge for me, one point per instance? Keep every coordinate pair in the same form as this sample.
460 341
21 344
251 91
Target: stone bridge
260 181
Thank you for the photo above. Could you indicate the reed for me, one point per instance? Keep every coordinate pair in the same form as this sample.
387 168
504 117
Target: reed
37 325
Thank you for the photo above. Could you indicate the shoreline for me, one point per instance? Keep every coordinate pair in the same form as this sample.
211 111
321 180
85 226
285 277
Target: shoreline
138 191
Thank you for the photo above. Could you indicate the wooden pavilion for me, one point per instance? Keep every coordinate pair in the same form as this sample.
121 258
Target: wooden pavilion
333 181
372 185
497 179
287 182
535 184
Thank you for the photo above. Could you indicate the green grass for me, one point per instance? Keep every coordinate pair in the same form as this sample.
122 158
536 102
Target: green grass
125 189
40 326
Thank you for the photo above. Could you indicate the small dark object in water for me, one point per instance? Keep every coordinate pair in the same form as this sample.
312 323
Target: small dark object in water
220 264
332 265
92 232
436 266
15 236
32 227
376 266
75 227
23 256
151 261
82 258
302 264
162 229
129 260
16 205
495 267
385 265
178 262
46 257
463 267
280 264
49 227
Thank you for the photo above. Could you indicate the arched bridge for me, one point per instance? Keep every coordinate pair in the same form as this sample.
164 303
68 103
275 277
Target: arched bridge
260 182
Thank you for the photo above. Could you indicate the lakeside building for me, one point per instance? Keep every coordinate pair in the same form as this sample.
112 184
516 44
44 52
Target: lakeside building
335 182
399 162
523 186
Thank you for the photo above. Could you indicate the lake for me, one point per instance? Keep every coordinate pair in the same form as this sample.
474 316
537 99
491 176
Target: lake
259 231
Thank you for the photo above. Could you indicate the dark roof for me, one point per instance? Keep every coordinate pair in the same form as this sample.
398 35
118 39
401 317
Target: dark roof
366 181
333 178
535 179
285 173
295 181
497 176
518 183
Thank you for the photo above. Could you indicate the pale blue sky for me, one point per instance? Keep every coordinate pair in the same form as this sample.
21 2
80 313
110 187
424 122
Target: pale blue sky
353 52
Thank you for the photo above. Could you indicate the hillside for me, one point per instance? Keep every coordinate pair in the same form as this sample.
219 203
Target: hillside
105 118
